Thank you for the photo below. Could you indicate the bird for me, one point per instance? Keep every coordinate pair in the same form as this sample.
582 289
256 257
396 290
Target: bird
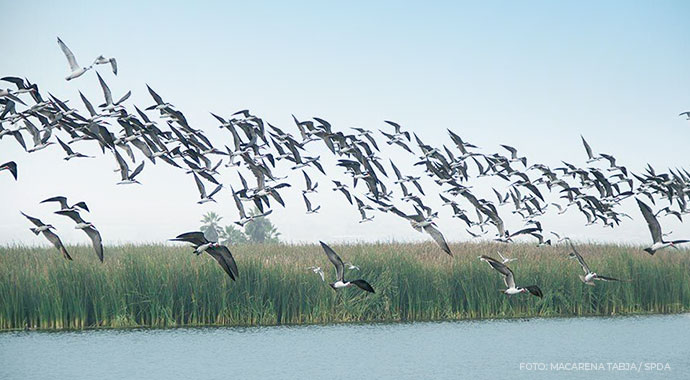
63 204
11 166
218 251
318 271
589 277
127 177
340 272
50 235
686 113
70 153
202 191
88 228
75 70
101 60
655 230
509 279
308 204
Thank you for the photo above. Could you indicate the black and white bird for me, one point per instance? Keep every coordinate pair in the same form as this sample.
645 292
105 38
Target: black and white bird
70 152
50 235
66 207
202 191
126 176
88 228
655 230
340 272
318 271
10 166
307 203
509 279
589 277
218 251
75 70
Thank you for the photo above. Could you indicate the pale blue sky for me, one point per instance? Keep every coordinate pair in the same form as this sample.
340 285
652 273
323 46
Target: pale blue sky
534 75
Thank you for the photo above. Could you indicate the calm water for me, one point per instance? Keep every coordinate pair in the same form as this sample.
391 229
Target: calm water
450 350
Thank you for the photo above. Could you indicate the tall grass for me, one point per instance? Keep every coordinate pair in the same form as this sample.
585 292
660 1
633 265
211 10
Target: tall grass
164 286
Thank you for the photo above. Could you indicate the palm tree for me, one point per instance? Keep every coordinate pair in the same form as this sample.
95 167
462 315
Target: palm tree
261 230
233 235
211 226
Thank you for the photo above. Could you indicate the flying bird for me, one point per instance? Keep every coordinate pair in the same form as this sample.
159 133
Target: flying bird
218 251
88 228
340 272
45 229
589 277
509 279
75 70
655 230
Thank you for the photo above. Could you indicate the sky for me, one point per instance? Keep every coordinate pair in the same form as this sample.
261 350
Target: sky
535 75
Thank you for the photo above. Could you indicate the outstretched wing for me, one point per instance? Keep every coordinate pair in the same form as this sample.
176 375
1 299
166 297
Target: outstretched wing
335 259
363 285
579 258
53 238
70 56
438 238
652 223
96 241
224 257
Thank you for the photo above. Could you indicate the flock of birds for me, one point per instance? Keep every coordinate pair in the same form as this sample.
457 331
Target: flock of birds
260 149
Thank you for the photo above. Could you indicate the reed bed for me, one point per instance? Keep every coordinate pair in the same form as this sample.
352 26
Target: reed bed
169 286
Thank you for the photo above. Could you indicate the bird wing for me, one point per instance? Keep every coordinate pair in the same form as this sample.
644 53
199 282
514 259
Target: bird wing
508 276
197 238
113 64
604 278
363 285
71 214
124 169
65 147
587 148
37 222
652 222
96 241
224 257
579 258
106 90
438 238
199 185
53 238
70 56
335 260
137 170
60 199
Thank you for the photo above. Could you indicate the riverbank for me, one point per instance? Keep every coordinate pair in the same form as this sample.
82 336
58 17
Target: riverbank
169 286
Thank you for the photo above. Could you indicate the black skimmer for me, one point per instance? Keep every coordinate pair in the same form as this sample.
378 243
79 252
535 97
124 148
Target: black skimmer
218 251
509 279
88 228
64 206
11 166
50 235
127 177
655 229
71 153
75 70
589 277
308 204
202 191
340 272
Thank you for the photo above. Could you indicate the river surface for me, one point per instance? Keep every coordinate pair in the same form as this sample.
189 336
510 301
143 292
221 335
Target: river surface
647 347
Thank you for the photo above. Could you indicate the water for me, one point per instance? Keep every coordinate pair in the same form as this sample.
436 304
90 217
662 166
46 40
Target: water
446 350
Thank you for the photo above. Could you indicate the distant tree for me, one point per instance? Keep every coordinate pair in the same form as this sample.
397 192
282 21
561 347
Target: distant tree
261 230
211 226
233 235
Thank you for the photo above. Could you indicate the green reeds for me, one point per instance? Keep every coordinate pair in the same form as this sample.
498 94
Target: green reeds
166 286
